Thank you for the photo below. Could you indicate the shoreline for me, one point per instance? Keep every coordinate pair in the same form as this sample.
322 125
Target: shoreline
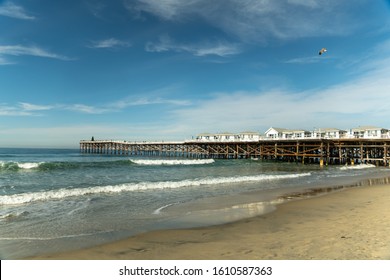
352 223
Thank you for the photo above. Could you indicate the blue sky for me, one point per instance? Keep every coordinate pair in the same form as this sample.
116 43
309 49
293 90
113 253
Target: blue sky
171 69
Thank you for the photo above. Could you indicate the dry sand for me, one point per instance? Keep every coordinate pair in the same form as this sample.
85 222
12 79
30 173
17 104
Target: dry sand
350 224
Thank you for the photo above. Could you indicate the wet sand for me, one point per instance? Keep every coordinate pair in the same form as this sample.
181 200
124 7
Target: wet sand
352 224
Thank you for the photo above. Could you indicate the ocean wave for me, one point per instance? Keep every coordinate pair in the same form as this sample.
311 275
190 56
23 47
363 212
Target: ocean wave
55 237
172 161
64 165
141 186
48 166
13 215
357 166
28 165
12 165
158 210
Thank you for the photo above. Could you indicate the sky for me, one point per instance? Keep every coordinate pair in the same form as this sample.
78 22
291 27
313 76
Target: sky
161 70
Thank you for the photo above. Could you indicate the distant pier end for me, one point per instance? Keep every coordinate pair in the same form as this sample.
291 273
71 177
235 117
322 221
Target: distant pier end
322 151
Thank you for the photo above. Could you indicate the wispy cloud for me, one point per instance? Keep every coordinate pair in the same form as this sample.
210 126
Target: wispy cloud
147 101
12 10
218 48
109 44
306 60
87 109
6 110
169 9
123 104
4 61
33 107
24 109
254 20
96 7
30 109
306 3
19 50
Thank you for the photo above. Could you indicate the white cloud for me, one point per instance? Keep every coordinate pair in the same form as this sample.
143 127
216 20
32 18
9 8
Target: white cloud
9 9
123 104
24 109
109 43
306 3
96 7
219 48
18 50
29 109
167 9
6 110
86 109
32 107
4 61
146 101
307 60
260 20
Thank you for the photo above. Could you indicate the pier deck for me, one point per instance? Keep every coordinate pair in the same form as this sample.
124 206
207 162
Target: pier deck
322 151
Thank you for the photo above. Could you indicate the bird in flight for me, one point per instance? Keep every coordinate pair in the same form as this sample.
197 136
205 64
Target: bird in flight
323 50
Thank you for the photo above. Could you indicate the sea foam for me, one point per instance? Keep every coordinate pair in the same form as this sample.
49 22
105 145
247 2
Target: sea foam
12 165
357 166
172 162
28 165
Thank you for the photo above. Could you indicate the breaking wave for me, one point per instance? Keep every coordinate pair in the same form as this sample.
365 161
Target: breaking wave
172 162
141 186
47 166
357 166
11 165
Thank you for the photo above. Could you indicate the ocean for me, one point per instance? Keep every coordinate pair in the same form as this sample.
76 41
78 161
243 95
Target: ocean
53 200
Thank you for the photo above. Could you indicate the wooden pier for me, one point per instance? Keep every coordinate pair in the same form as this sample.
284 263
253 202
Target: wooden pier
321 151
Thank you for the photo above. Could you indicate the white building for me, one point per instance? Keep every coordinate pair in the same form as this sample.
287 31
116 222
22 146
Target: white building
301 134
283 133
228 137
274 133
329 133
205 137
225 137
249 136
369 132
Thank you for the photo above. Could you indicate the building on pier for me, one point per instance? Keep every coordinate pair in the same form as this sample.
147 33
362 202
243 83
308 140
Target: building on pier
275 133
369 132
329 133
283 133
228 137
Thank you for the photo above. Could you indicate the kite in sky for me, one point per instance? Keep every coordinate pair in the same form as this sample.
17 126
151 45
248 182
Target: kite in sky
323 50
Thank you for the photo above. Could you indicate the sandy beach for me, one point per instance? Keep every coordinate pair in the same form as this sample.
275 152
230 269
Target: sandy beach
350 224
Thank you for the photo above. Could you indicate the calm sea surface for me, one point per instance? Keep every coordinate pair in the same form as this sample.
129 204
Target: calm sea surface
56 200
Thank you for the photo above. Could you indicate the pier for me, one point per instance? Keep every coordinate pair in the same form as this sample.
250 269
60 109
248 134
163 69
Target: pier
321 151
